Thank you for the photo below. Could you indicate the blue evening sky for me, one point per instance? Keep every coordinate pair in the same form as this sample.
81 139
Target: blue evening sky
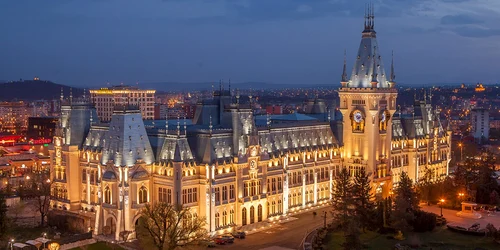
89 42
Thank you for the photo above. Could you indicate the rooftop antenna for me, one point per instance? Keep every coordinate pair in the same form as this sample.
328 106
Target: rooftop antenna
210 126
366 17
178 126
84 96
237 96
372 16
329 114
393 76
185 127
166 122
62 95
213 91
71 96
91 120
268 120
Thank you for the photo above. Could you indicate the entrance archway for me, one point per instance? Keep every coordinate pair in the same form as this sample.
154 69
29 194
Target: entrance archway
243 216
252 215
110 227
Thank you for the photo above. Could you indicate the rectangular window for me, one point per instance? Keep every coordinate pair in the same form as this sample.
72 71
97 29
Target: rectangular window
280 184
231 192
224 193
217 194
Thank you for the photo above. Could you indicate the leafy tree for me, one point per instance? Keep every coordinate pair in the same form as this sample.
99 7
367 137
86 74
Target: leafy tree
406 203
41 192
363 199
342 198
170 226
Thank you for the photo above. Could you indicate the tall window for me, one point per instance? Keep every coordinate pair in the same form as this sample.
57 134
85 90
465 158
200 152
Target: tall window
280 184
224 218
280 207
231 192
259 213
217 194
217 220
224 193
274 184
231 217
84 175
243 216
143 195
107 195
245 189
273 208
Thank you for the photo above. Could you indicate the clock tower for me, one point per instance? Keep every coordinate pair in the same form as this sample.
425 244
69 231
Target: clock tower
367 103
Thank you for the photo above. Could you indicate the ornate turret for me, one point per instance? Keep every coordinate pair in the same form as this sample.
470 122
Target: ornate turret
344 80
368 67
392 78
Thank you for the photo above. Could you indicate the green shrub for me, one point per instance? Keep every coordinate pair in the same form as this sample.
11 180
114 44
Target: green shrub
423 221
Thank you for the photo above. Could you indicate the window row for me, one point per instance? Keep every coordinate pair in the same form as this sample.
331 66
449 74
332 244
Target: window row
228 193
225 219
189 195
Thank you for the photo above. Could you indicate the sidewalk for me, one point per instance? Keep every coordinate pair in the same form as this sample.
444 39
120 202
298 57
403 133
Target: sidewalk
452 218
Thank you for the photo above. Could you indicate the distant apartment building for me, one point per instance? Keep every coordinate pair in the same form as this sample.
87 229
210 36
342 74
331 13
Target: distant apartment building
41 128
105 100
14 117
480 122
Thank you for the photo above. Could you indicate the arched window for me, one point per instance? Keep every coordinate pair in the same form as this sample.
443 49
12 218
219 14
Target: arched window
273 207
280 207
259 213
107 195
252 215
243 216
268 209
231 217
143 195
224 218
217 221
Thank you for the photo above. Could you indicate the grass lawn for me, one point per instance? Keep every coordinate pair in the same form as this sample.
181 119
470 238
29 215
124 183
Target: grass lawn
440 238
99 246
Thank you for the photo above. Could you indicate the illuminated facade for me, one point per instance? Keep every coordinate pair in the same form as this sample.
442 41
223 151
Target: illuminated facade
229 170
105 99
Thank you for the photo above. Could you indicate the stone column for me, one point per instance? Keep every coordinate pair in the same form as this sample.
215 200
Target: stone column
88 187
303 189
331 183
315 191
285 193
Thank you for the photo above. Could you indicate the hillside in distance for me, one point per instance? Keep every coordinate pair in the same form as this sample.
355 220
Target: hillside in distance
29 90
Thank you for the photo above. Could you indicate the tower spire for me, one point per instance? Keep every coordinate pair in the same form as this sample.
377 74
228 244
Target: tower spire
393 76
91 120
344 70
71 96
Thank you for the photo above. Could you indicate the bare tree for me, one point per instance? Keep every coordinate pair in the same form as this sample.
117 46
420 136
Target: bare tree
40 191
169 226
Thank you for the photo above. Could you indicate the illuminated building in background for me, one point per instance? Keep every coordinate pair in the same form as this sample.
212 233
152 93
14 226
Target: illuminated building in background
105 99
14 117
480 87
480 122
41 128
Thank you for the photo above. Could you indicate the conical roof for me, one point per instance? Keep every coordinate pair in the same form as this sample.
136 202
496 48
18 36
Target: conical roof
368 66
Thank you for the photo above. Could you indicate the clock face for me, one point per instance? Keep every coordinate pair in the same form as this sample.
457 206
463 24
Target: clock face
383 117
253 165
358 117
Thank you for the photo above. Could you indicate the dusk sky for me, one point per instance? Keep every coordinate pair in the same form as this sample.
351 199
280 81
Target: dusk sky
89 42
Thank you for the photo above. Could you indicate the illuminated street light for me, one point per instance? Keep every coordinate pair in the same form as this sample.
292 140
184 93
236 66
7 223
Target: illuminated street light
27 177
441 205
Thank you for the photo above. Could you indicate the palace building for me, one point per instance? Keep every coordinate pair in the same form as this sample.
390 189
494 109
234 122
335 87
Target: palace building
237 170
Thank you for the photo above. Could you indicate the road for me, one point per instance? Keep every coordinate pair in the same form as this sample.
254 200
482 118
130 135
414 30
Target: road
285 235
452 218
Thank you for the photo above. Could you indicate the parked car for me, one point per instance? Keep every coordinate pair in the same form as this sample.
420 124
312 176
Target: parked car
219 240
228 238
207 243
239 234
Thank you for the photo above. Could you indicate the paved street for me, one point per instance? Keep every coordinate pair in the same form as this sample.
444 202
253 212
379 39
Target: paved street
287 235
452 218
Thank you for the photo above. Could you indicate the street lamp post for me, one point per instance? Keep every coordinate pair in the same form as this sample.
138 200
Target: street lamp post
324 220
461 150
461 195
441 205
11 244
45 237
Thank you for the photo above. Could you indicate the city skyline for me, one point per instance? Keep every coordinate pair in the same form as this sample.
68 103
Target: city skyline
282 42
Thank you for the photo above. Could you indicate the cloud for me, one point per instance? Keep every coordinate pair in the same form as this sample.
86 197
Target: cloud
460 19
476 32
